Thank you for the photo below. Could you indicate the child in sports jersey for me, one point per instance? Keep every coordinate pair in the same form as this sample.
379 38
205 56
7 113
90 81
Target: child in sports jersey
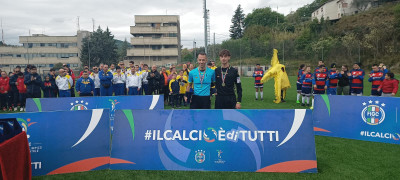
319 82
356 77
258 74
333 79
306 85
376 77
299 84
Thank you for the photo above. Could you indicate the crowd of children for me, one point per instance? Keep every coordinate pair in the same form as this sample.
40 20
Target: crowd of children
343 82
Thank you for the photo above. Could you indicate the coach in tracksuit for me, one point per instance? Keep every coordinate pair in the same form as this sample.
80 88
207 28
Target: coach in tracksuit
64 83
119 80
105 81
85 85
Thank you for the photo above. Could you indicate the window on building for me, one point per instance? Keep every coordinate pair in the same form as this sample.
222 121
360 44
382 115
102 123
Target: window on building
75 65
156 47
248 68
42 44
30 45
18 55
42 55
51 65
172 35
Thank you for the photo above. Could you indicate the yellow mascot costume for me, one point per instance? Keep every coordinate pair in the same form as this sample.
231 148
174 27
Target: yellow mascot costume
278 72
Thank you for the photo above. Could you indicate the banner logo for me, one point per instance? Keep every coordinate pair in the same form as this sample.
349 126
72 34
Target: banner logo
208 133
200 156
25 125
219 160
79 105
373 113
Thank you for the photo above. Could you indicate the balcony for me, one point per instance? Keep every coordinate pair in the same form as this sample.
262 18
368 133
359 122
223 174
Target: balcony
154 41
151 52
153 30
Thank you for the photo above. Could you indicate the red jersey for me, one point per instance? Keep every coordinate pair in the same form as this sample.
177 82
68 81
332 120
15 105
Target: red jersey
4 85
21 86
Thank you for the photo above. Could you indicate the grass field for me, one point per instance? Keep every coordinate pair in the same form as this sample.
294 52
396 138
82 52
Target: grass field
337 158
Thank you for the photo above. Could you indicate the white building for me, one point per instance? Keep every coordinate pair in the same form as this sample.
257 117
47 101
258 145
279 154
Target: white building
336 9
43 51
156 40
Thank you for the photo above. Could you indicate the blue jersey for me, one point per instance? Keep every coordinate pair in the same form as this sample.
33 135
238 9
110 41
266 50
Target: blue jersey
320 79
356 79
202 81
306 80
299 74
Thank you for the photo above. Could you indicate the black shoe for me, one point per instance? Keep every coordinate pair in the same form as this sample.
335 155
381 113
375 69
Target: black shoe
302 104
283 100
256 99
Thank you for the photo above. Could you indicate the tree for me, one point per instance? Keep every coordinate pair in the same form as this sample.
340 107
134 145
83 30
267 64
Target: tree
101 46
122 50
236 29
58 66
264 17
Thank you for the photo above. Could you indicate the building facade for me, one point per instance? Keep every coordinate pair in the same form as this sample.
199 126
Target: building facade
156 40
43 51
336 9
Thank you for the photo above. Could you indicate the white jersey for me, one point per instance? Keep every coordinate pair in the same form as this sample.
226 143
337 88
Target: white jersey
96 79
119 79
64 82
133 80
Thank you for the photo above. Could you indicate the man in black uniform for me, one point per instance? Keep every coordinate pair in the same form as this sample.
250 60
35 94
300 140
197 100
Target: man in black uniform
226 78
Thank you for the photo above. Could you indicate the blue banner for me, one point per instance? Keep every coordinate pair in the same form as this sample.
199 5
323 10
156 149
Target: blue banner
215 140
96 102
65 141
365 118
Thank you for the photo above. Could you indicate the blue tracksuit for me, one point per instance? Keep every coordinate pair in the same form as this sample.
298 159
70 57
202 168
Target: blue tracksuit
85 86
105 83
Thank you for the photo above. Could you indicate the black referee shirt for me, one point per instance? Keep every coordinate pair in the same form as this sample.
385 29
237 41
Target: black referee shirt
231 78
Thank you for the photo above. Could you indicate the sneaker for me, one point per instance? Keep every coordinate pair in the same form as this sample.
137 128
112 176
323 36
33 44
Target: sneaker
15 109
298 102
256 99
303 104
21 109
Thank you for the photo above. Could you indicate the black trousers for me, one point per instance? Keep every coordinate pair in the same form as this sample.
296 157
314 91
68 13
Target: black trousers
34 95
200 102
225 102
3 100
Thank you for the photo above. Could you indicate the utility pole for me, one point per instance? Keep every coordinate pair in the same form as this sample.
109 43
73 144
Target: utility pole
205 26
214 48
194 50
2 32
93 24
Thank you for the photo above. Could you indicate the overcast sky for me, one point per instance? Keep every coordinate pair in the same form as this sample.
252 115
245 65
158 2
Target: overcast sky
55 17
